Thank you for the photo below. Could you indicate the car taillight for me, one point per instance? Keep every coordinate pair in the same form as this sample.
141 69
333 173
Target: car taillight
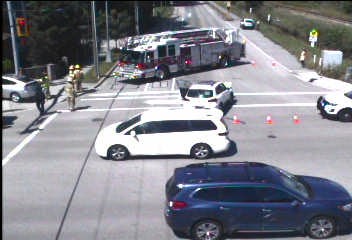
176 205
141 66
213 100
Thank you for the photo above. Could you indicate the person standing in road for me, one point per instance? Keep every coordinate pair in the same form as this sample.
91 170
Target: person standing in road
46 85
78 77
302 57
39 99
71 95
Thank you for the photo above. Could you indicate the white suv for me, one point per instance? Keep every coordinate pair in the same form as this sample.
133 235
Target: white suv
195 132
209 94
337 104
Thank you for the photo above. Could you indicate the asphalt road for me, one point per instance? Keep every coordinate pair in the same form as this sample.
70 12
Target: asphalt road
56 187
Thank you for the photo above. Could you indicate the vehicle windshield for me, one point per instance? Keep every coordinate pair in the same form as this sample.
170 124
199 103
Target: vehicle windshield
126 124
349 94
130 56
199 93
292 182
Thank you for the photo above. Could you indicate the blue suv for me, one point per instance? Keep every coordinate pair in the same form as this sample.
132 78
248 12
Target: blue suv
207 201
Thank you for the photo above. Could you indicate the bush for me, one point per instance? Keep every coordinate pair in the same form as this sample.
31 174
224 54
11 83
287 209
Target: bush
7 66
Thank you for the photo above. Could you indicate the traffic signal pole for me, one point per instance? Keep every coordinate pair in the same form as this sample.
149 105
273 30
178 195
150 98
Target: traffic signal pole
13 38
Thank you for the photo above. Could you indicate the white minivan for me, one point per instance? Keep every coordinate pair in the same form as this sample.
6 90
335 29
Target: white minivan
179 131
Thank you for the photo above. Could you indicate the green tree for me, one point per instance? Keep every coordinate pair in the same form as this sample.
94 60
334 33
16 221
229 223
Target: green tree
56 30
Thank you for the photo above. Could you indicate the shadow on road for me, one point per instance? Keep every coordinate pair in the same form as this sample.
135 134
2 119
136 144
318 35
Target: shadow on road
8 121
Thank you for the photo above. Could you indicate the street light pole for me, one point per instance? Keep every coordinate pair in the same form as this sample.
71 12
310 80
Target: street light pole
13 38
95 45
136 15
108 53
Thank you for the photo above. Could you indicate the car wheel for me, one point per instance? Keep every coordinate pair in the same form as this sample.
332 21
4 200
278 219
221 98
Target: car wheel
118 153
345 115
201 151
207 230
15 97
321 227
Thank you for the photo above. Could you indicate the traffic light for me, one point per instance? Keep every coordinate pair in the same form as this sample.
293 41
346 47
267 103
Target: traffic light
22 27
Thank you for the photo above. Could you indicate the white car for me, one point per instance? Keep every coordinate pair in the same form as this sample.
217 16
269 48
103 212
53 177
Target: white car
18 88
247 23
195 132
209 94
337 105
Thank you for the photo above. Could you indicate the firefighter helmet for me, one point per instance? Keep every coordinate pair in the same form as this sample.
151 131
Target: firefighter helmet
71 67
77 67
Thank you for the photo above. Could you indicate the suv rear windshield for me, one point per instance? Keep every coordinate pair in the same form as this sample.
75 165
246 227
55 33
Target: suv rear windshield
199 93
171 188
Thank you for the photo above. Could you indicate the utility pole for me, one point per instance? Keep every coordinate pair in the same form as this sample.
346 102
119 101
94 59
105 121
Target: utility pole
108 53
13 38
136 15
95 45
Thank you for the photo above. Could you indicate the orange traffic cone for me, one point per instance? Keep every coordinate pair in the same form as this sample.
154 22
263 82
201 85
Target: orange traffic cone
274 64
235 120
269 120
296 119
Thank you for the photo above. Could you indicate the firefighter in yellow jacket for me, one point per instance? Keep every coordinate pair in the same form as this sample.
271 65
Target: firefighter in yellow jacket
45 82
70 93
78 77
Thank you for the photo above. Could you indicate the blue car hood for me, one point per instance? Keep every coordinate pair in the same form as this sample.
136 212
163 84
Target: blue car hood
324 189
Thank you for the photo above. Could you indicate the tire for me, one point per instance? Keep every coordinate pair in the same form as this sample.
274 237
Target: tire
201 151
207 230
345 115
321 227
224 62
118 153
161 73
15 97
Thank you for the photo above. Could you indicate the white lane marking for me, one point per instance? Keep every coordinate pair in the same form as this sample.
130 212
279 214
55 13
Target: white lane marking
176 94
238 106
129 98
164 102
173 84
112 109
19 147
275 105
133 93
279 93
146 87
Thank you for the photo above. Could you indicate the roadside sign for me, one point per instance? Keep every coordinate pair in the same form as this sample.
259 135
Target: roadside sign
313 37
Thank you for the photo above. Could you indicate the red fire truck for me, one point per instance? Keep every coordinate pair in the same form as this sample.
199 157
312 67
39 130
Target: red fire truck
161 54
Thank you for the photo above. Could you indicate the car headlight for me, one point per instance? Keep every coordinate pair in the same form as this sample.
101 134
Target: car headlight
346 208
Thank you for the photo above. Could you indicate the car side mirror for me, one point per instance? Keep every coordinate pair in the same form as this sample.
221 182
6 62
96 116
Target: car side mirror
133 133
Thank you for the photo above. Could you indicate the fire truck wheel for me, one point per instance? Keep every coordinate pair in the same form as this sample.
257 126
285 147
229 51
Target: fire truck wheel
224 62
162 73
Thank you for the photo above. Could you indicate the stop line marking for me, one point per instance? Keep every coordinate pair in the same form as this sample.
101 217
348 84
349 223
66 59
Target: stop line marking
108 96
